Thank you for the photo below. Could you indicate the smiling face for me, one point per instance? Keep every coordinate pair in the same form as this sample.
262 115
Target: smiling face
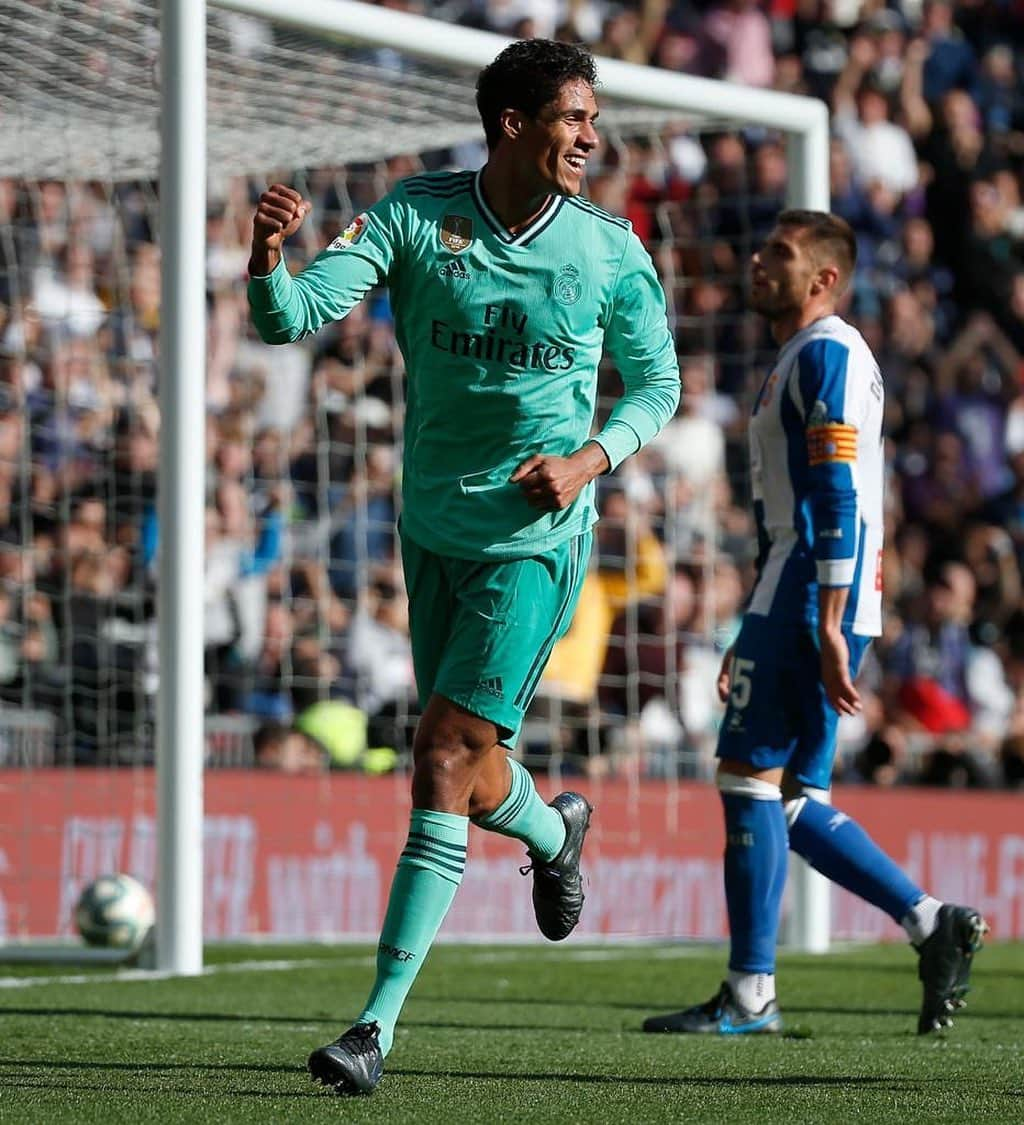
554 146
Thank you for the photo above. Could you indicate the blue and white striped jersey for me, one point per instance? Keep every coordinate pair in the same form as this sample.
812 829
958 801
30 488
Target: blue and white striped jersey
817 470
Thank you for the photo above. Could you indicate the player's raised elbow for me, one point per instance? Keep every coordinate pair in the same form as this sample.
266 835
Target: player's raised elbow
666 396
278 333
285 336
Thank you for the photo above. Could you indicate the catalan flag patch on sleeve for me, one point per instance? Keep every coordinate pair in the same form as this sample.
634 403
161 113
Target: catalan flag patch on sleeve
832 443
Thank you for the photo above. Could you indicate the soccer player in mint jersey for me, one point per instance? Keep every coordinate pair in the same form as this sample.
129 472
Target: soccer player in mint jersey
506 286
817 469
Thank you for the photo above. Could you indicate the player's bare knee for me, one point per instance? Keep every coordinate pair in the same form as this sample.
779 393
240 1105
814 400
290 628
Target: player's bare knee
442 778
447 752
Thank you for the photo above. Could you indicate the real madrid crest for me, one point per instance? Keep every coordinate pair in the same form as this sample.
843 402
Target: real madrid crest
567 288
456 233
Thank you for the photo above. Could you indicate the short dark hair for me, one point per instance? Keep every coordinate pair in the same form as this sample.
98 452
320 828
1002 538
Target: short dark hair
527 76
830 235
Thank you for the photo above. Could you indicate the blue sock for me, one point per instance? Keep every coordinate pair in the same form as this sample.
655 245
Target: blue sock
842 851
755 876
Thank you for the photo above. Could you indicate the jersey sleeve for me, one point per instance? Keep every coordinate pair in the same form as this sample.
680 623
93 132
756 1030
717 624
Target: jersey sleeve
638 339
286 308
834 409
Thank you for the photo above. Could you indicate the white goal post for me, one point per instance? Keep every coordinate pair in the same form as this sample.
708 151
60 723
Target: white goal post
804 121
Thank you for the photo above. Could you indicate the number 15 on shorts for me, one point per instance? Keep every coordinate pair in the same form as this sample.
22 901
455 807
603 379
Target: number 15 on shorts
742 683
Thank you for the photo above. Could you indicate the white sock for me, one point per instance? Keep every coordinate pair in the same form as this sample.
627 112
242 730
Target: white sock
921 919
752 990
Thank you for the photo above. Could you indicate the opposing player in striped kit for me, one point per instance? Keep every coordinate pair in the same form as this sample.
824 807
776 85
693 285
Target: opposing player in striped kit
506 286
817 468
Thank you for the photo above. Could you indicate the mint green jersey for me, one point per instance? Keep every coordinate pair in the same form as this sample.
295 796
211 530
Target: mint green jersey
502 335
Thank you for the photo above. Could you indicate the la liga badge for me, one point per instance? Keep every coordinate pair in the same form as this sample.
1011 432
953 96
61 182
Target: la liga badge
351 234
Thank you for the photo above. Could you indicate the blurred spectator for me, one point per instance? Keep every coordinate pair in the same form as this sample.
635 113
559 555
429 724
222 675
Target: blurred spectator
951 63
280 747
64 294
976 380
956 151
1001 98
947 687
364 521
629 565
379 652
692 445
929 280
993 252
738 32
880 149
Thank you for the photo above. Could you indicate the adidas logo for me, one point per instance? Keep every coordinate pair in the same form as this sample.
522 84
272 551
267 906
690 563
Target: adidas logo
454 269
492 686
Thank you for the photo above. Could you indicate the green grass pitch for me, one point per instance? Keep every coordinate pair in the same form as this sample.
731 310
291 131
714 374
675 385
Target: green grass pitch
509 1034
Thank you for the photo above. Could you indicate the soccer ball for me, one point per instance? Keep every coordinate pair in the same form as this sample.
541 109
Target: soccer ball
115 911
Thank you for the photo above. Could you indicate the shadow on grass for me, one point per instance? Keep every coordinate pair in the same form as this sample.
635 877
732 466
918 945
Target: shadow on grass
794 1080
188 1017
905 968
330 1023
648 1007
334 1023
164 1088
194 1065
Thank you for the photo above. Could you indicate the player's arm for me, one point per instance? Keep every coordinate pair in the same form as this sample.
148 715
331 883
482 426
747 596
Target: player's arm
551 483
835 653
832 418
286 308
638 338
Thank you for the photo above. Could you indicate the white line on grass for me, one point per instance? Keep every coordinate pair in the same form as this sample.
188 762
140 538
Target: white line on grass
479 957
135 975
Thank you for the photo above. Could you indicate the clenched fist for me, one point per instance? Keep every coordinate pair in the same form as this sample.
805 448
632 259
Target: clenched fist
552 483
279 214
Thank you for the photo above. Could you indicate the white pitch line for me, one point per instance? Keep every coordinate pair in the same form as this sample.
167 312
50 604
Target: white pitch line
479 957
135 975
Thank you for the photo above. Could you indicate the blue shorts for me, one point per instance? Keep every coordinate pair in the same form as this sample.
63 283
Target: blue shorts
778 714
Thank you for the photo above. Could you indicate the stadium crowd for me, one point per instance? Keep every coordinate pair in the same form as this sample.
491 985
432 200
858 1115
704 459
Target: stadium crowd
307 655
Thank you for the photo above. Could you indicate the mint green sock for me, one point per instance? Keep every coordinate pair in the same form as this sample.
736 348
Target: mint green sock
428 875
524 816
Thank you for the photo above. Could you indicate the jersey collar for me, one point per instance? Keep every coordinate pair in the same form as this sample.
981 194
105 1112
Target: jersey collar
798 339
528 233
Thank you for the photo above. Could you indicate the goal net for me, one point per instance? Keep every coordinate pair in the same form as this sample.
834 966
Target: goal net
309 697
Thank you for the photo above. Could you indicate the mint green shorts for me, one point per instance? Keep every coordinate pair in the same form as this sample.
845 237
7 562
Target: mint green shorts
482 632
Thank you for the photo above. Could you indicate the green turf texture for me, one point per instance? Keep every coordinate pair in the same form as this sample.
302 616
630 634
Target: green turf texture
524 1034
